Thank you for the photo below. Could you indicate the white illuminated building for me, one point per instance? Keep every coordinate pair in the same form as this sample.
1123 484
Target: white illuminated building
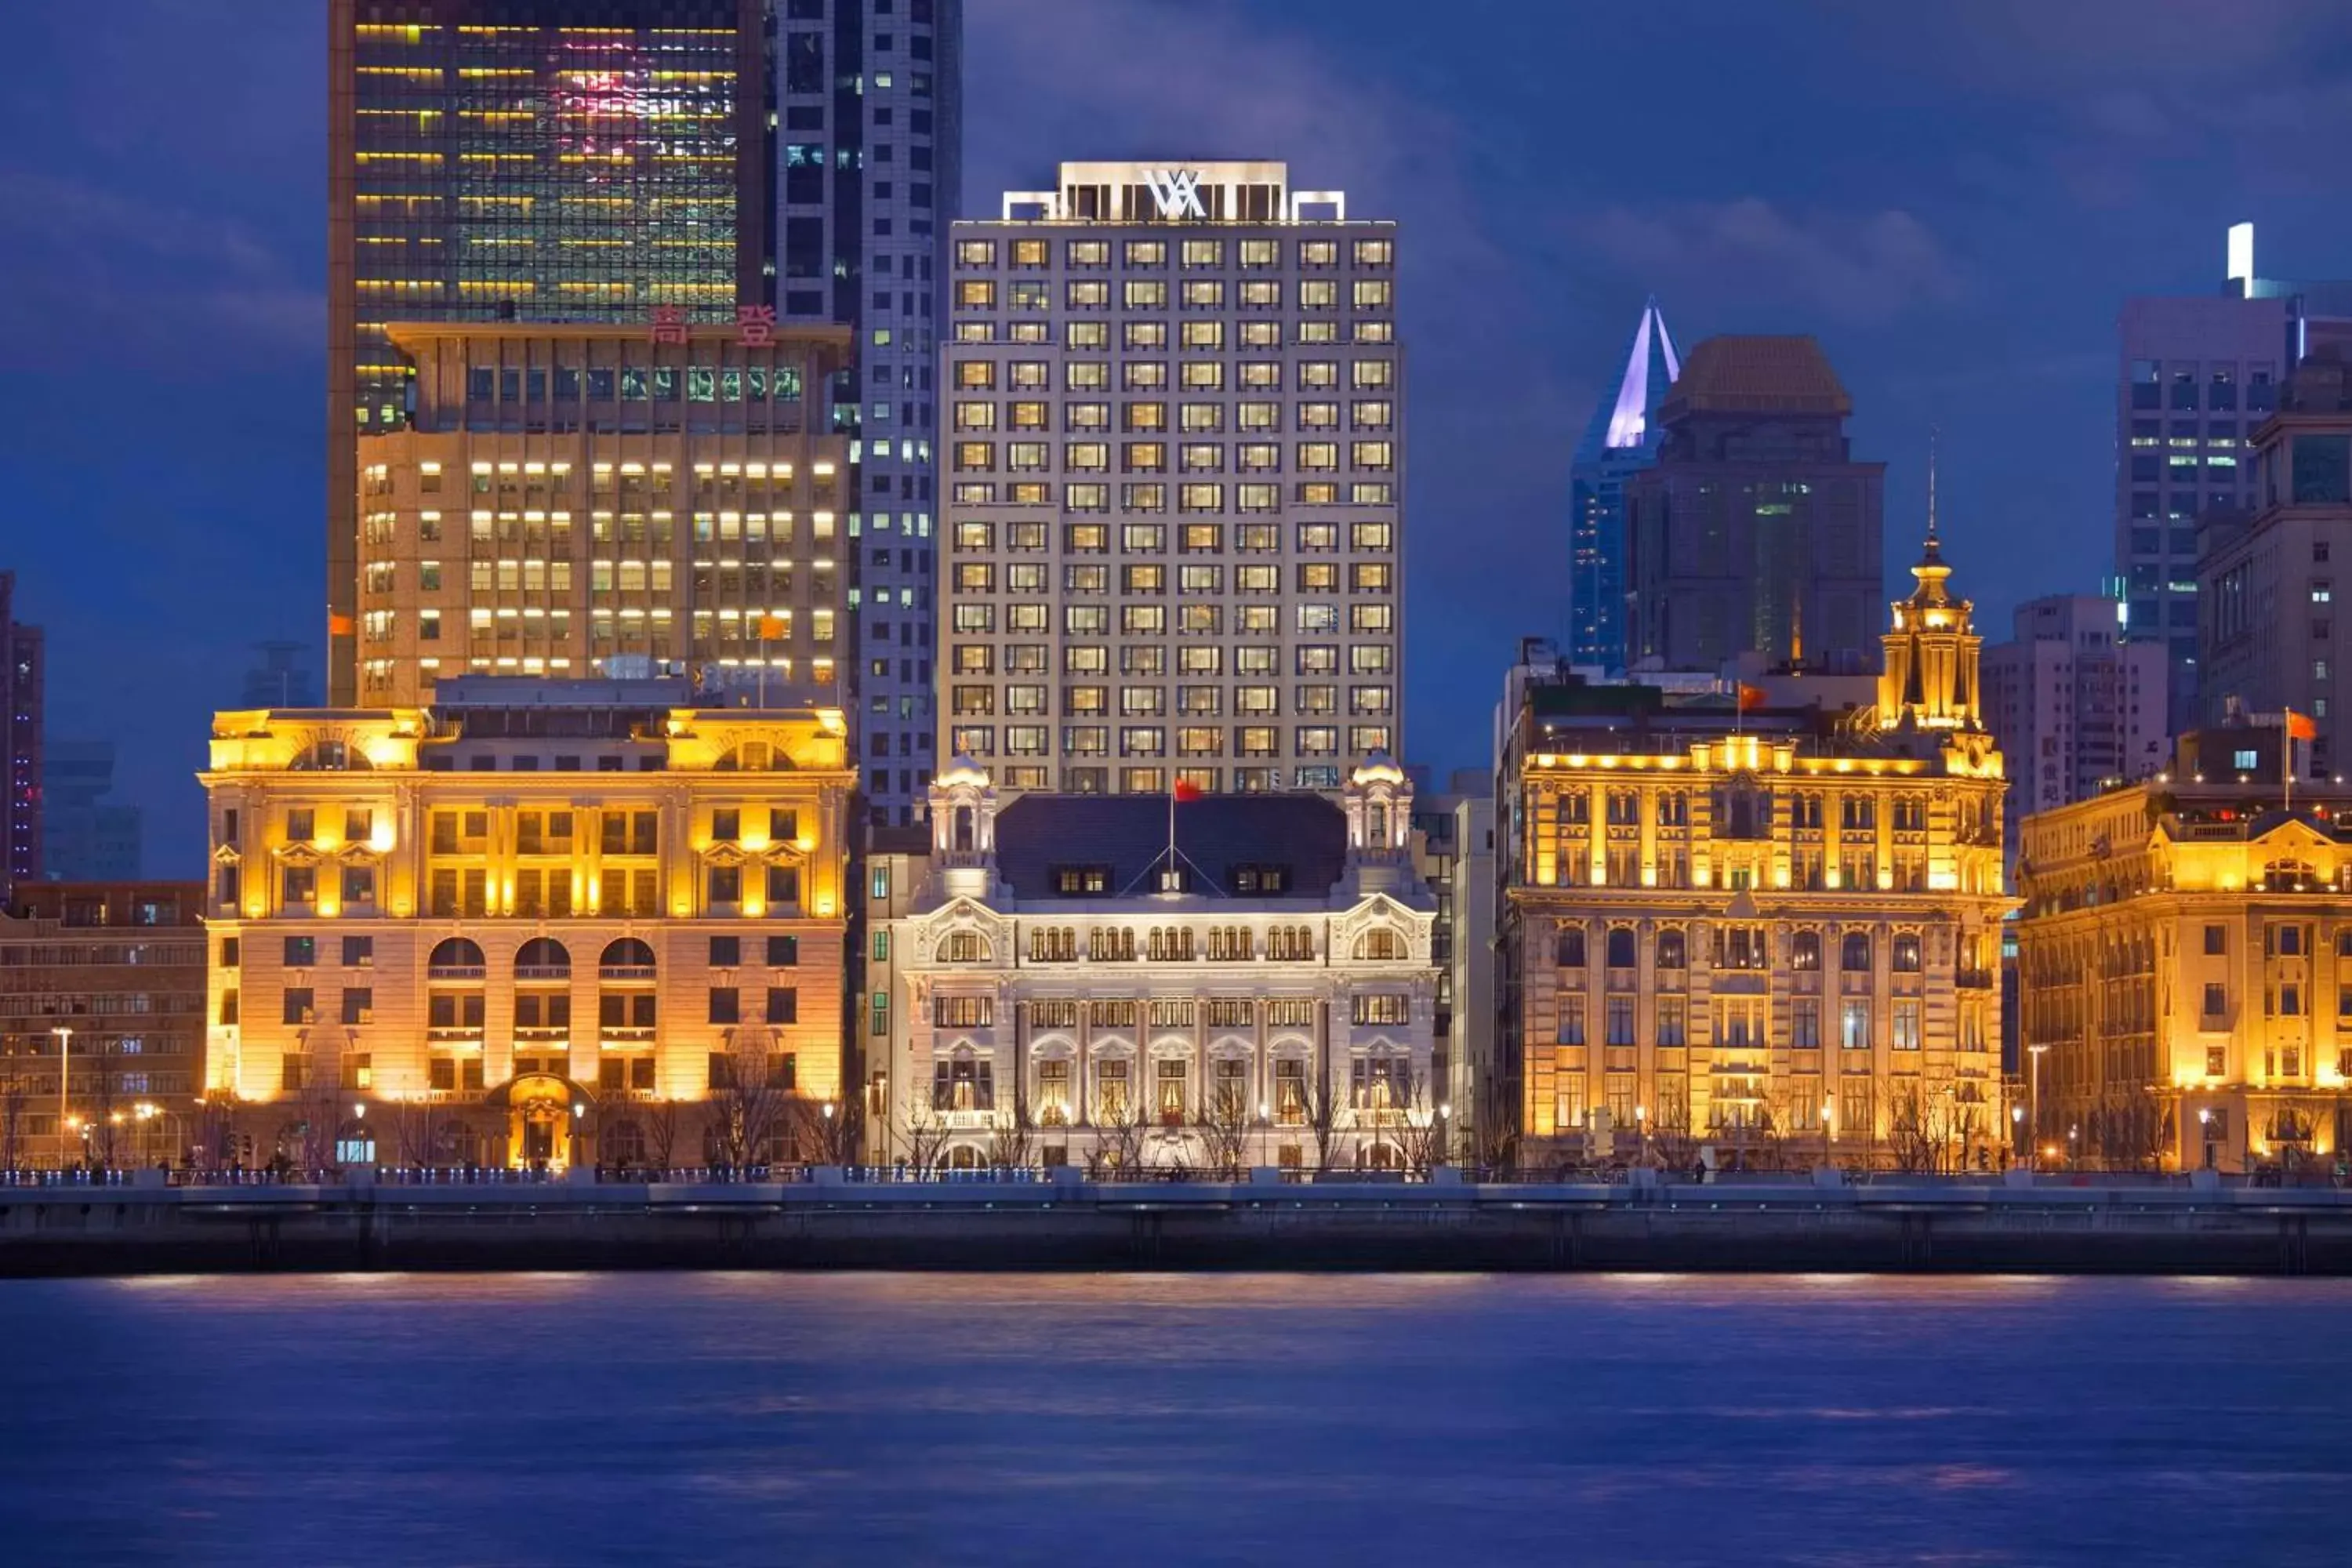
1076 981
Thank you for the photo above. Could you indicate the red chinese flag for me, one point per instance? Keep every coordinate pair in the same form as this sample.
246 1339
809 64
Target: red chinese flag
340 625
772 628
1187 790
1751 698
2301 726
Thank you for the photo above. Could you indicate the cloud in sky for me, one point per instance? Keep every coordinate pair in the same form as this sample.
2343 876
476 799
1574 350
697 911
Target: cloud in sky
1855 268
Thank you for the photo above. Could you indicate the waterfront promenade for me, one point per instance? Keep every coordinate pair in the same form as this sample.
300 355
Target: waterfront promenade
832 1218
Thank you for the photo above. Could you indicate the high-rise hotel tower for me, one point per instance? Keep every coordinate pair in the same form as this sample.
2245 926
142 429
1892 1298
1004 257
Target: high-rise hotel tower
1174 455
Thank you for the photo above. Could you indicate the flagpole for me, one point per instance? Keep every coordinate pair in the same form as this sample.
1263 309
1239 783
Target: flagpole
2287 771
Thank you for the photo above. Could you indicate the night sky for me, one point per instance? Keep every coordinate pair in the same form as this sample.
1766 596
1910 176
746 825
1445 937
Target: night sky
1955 198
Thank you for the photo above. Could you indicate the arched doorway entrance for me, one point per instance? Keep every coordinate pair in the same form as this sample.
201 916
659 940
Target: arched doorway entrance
546 1120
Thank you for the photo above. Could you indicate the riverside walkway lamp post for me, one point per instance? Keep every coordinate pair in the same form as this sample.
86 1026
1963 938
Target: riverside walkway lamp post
64 1057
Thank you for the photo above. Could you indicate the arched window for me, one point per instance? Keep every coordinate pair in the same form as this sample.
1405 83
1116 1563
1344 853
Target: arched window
965 835
754 757
1672 951
1381 942
1856 952
542 958
331 756
1805 951
1376 826
1567 947
1906 953
626 959
456 958
1621 947
967 947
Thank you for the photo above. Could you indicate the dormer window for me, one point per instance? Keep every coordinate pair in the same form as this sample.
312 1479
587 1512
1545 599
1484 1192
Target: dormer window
1261 878
1081 881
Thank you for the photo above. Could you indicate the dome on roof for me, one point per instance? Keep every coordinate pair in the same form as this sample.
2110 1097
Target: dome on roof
962 770
1376 768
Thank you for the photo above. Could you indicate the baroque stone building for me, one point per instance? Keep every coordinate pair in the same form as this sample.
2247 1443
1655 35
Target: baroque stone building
1121 982
2186 964
1756 920
538 924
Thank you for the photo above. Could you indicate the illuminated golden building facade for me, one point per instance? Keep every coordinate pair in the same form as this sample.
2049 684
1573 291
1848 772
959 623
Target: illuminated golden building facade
561 497
2185 965
538 924
1769 923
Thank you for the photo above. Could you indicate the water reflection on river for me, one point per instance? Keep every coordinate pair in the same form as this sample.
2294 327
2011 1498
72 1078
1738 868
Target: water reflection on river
1070 1419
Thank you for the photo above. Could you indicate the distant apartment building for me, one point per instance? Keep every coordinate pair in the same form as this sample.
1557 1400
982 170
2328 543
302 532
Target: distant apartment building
538 924
1621 440
1173 545
21 675
1756 531
2076 708
2195 376
2185 965
2272 637
84 836
560 497
1758 922
107 978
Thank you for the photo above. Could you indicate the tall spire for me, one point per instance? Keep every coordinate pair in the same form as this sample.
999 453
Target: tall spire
1629 417
1933 432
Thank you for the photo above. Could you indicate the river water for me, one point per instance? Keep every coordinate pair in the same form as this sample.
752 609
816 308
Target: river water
1065 1420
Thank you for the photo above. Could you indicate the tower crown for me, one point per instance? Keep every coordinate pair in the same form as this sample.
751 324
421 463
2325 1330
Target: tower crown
1930 679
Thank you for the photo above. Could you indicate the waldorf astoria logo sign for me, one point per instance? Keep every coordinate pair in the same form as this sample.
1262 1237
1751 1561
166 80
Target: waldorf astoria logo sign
1176 191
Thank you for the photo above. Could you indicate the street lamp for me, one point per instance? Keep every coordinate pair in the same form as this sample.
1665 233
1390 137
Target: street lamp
65 1056
2205 1132
2036 1053
1829 1129
2074 1148
2016 1130
1642 1134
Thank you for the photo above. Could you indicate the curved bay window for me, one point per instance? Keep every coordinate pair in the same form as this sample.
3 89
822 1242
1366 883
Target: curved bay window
1381 943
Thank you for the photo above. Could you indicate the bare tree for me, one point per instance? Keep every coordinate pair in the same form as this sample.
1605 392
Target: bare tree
924 1138
1415 1127
1912 1137
14 1092
1012 1132
1324 1104
820 1131
749 1102
1671 1142
416 1133
1225 1128
1120 1125
213 1138
105 1110
659 1117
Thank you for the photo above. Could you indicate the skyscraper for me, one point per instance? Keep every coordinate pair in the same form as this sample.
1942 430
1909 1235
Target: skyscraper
1755 530
563 496
1621 440
21 672
502 160
1221 606
2073 704
869 116
2271 637
86 837
598 160
2194 376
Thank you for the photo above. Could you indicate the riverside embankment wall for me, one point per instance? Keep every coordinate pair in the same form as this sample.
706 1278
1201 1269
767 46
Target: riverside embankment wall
1442 1225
